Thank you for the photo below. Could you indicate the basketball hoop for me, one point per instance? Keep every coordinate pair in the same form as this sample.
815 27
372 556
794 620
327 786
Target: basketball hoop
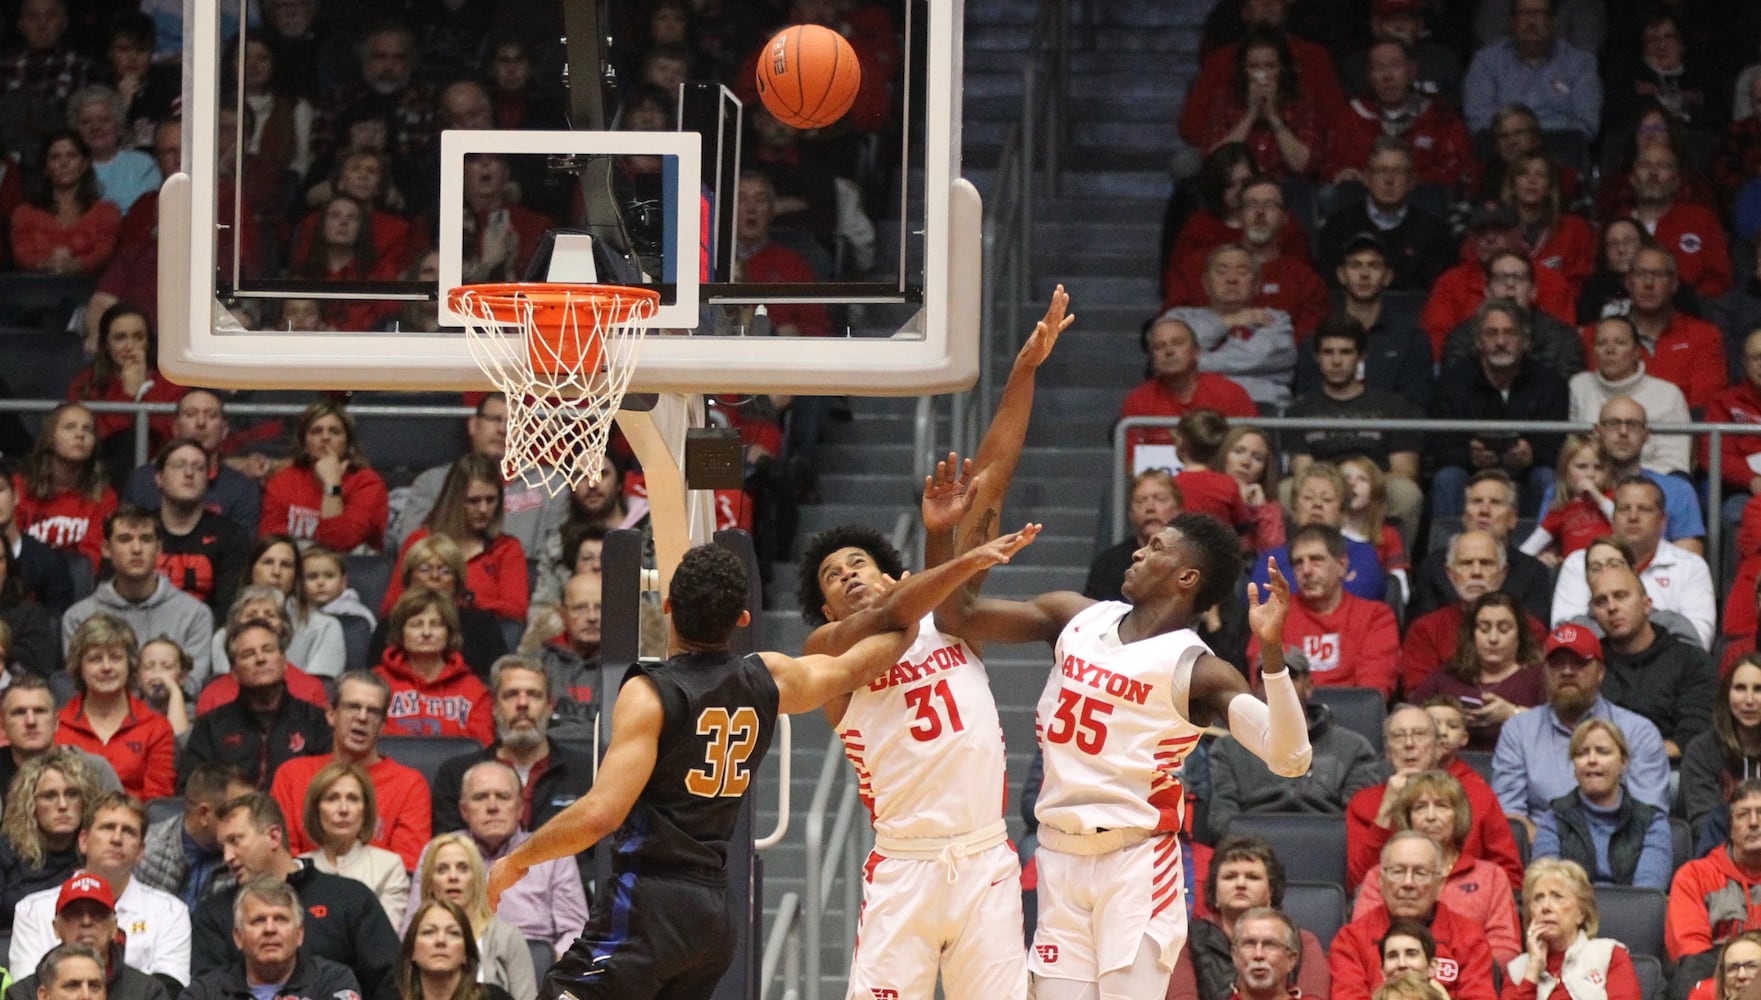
563 354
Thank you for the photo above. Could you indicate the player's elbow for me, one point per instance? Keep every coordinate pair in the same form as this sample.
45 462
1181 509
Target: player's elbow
1294 764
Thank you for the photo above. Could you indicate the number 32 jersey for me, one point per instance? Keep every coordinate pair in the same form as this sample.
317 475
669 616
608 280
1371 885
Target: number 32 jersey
926 741
1112 726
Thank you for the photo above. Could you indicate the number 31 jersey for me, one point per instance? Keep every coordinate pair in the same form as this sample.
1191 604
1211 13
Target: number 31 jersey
926 741
1112 726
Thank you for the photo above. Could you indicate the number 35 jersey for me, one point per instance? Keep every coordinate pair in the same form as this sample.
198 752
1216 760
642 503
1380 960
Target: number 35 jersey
926 741
720 712
1112 726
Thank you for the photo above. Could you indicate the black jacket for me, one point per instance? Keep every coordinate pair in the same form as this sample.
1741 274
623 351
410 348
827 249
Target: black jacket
1528 580
1464 393
566 777
1672 683
123 982
343 923
313 978
257 745
18 879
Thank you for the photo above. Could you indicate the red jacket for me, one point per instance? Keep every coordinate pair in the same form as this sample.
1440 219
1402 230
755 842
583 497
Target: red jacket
1463 965
1462 288
1430 643
293 497
1357 645
1738 404
1569 248
223 690
1702 257
453 704
65 520
159 389
1710 902
1152 398
495 577
1488 837
143 751
400 793
1442 152
1690 353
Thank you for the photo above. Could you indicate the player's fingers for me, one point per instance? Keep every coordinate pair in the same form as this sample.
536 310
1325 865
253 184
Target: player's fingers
1253 595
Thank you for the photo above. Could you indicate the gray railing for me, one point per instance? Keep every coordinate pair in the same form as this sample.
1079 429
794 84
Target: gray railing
1714 434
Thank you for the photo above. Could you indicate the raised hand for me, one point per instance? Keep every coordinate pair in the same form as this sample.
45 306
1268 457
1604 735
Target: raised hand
945 496
998 551
1267 607
1045 332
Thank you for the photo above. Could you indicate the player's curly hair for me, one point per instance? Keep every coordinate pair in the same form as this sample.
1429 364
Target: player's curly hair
849 536
1216 554
708 593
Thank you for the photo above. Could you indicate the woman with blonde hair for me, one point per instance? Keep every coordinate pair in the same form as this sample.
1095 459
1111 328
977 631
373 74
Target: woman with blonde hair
452 870
340 816
39 833
1739 961
1435 804
439 958
1366 516
1247 456
1613 836
106 718
1562 950
1410 985
329 495
437 563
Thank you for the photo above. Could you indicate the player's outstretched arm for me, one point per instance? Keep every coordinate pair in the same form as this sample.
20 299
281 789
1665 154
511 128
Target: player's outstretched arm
865 652
987 619
629 762
994 466
906 602
1274 730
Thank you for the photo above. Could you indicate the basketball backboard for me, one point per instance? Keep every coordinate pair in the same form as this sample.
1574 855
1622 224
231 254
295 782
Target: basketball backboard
906 324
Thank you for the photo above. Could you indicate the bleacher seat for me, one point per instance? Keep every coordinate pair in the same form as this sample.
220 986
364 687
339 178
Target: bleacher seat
1318 907
410 443
1479 760
1681 837
357 639
1312 846
1634 917
1650 973
1520 834
370 575
1358 709
163 808
426 753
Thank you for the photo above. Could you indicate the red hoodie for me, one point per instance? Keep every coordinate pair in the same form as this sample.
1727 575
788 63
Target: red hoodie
293 498
66 520
143 751
1710 902
495 578
453 704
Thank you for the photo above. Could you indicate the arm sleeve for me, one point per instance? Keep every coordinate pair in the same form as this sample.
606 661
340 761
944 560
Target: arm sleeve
1700 770
1648 777
212 948
1274 730
376 947
1313 977
1623 979
1352 967
198 749
1546 842
198 640
568 899
161 776
365 506
327 656
1364 771
511 595
412 827
1699 605
1694 700
446 816
1504 932
273 510
1363 838
1521 989
101 225
1571 594
1508 771
418 501
171 956
1475 982
1369 893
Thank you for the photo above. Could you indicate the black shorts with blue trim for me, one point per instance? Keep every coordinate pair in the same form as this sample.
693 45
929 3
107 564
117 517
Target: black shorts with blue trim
649 936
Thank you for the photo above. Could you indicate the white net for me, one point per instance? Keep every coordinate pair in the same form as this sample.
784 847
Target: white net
563 355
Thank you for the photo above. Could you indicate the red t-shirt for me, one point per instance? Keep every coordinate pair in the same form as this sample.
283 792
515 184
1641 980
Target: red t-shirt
1576 525
1356 645
1153 398
1206 491
66 520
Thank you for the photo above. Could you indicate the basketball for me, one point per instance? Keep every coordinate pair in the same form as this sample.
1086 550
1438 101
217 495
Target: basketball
808 75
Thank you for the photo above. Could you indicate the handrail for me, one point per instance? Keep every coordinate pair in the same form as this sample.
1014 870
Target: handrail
777 945
813 912
1714 449
785 759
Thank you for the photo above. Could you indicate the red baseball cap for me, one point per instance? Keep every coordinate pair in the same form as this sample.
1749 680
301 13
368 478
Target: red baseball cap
85 885
1580 640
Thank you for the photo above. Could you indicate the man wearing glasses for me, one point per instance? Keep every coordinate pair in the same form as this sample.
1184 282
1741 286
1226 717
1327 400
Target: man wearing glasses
1708 901
357 720
1682 349
1553 343
1266 947
1411 881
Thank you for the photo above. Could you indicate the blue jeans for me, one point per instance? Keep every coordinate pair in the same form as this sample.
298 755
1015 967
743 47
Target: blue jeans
1449 491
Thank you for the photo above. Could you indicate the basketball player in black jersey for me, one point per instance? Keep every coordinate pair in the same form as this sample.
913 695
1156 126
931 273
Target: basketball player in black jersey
688 734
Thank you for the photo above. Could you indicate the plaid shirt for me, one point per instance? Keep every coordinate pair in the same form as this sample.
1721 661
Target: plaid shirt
54 73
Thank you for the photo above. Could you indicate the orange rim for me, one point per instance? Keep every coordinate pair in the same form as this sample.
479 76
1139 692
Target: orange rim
507 300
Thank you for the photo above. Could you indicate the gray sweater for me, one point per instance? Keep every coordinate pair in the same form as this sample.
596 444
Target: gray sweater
166 612
1344 764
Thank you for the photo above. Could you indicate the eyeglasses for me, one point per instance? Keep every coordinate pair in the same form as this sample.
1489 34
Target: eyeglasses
1749 968
1409 735
1401 873
1248 946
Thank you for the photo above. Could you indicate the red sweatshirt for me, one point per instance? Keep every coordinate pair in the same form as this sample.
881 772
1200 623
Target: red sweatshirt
1357 645
1488 836
1739 404
495 577
143 751
1463 965
1430 643
1710 902
65 520
453 704
400 793
293 498
1569 248
1690 353
1696 239
158 389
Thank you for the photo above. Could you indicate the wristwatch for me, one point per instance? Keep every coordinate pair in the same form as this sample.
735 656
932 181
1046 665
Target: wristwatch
333 491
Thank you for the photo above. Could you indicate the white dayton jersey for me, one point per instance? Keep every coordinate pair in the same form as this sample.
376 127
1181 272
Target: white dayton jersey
1112 726
927 743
